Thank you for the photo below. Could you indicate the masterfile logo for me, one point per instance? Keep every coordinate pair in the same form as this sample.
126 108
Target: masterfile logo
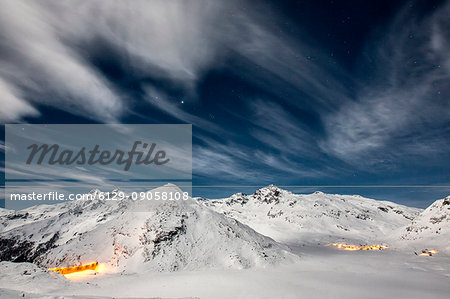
94 156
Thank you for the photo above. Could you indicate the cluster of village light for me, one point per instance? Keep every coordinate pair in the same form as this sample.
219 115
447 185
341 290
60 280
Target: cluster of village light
427 252
81 271
69 270
344 246
354 247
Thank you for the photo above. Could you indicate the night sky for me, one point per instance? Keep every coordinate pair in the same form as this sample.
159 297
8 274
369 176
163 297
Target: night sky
286 92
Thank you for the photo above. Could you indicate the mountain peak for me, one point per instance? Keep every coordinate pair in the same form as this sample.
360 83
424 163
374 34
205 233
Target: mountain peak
431 227
269 194
169 187
271 187
440 205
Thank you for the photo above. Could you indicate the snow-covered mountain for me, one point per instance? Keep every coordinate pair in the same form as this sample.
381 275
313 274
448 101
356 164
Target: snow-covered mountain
135 236
430 229
317 217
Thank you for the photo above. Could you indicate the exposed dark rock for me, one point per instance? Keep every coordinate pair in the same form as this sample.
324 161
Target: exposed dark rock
17 215
14 250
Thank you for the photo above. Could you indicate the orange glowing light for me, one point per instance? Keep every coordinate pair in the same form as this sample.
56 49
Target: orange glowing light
427 252
344 246
69 270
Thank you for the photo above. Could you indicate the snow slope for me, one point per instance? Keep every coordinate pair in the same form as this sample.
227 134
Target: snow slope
19 280
313 218
135 236
21 275
430 229
323 273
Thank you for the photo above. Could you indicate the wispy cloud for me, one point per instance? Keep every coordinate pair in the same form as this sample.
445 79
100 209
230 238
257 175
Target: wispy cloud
47 47
39 63
14 107
280 130
405 98
228 161
293 66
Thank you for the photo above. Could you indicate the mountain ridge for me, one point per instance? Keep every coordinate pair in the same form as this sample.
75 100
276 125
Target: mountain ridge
430 229
135 235
316 217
